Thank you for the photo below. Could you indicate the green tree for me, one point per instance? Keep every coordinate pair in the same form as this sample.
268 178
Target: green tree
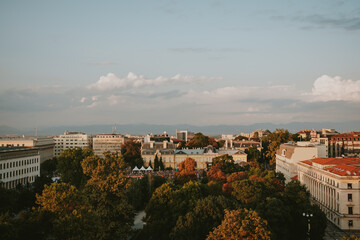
199 141
108 173
241 224
69 165
161 164
131 151
226 163
207 214
156 163
272 143
253 155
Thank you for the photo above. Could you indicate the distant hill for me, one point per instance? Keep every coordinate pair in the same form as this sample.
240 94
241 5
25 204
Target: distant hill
142 129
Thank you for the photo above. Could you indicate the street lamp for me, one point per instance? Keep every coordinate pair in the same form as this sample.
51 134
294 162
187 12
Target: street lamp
308 216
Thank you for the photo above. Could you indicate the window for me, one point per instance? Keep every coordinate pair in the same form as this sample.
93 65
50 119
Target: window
350 197
350 210
349 186
350 222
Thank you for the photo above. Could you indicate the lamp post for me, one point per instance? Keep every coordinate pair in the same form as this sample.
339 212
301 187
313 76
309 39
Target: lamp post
308 216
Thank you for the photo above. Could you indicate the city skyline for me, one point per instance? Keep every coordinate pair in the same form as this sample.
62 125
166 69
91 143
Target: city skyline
178 62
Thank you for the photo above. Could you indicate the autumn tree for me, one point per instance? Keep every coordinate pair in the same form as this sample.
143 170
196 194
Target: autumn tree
241 224
216 174
108 173
186 170
226 163
207 214
272 142
69 165
131 151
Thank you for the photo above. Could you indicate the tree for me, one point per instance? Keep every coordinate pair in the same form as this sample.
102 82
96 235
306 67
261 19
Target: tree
186 171
161 164
249 192
69 165
199 141
131 151
216 174
272 143
108 173
156 163
226 163
253 155
207 214
241 224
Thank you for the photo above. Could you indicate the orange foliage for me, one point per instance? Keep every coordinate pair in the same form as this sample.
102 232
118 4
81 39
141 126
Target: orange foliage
186 170
236 176
257 178
216 174
227 188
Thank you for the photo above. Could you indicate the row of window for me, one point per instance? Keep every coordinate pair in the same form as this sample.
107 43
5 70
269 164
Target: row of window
18 172
18 163
12 145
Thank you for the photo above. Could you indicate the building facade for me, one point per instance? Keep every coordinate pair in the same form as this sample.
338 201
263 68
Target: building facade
107 142
334 184
347 144
18 165
171 157
289 154
46 145
70 140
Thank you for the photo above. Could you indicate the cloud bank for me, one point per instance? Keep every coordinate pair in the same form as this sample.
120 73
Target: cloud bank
132 80
327 88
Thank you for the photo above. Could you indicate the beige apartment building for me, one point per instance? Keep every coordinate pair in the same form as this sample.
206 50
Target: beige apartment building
45 145
334 184
70 140
289 154
107 142
18 165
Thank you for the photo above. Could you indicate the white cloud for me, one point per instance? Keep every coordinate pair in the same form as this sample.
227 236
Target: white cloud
83 99
111 81
327 88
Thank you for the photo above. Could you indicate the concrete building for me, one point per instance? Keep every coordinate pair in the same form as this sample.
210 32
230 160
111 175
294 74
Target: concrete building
347 144
107 142
334 184
70 140
18 165
289 154
45 145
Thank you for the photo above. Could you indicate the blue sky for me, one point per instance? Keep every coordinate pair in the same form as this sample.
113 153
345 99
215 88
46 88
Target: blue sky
195 62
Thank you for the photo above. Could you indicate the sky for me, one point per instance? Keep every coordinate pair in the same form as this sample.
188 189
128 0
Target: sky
178 62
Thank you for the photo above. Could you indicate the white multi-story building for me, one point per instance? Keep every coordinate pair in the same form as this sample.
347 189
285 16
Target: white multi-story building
18 165
334 184
289 154
70 140
45 145
107 142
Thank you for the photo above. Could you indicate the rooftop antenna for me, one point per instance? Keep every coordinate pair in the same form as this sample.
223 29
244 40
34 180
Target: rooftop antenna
114 129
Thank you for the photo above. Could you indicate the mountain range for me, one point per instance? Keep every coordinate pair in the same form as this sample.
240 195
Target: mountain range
143 129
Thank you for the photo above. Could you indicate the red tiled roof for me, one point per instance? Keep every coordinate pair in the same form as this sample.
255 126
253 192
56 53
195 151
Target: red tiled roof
308 162
295 178
344 170
334 161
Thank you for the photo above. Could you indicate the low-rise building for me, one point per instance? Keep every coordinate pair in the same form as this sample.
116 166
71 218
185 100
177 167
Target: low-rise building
45 145
171 157
289 154
18 165
334 184
70 140
347 144
107 142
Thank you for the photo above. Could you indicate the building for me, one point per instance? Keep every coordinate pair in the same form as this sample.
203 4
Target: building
45 145
289 154
241 145
171 157
347 144
107 142
70 140
18 165
334 184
